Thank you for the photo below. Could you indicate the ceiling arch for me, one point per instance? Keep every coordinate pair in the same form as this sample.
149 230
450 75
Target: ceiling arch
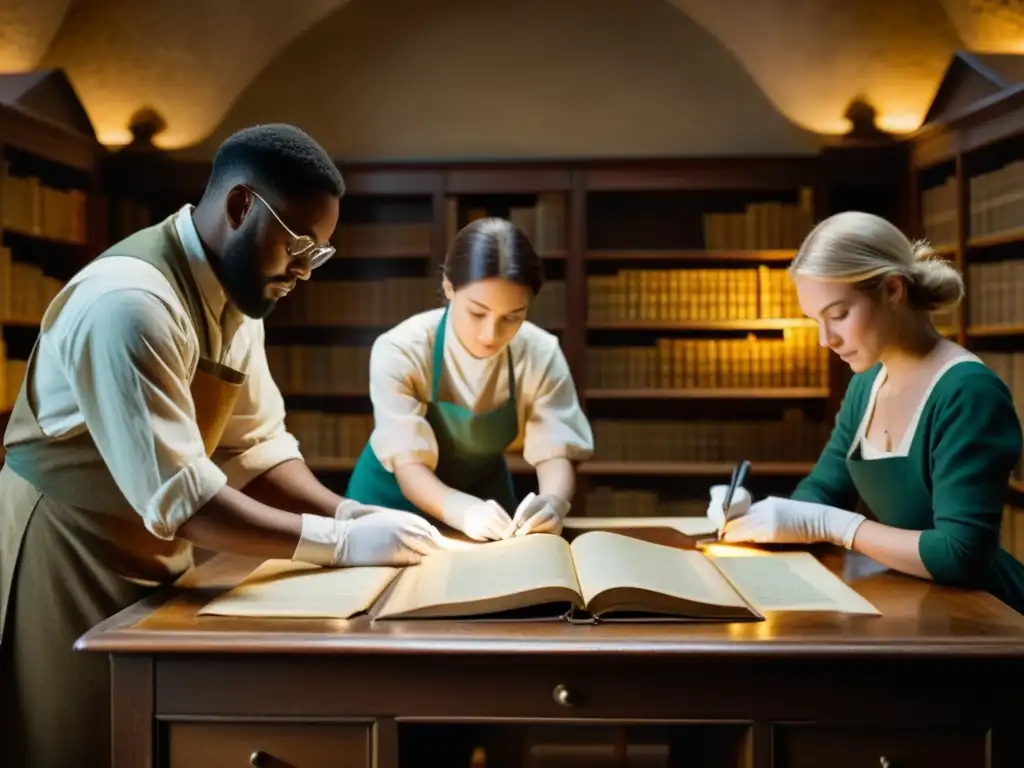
810 57
813 58
994 26
122 55
26 30
514 78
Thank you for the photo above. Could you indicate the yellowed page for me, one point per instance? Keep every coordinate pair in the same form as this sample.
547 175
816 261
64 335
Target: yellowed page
482 578
285 589
607 560
689 526
786 581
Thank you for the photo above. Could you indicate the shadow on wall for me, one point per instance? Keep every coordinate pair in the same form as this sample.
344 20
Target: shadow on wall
405 79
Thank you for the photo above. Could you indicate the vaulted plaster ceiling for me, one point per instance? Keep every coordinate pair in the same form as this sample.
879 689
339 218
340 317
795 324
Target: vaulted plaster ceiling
810 57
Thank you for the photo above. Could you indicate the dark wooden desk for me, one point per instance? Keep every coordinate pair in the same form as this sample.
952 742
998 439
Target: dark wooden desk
936 681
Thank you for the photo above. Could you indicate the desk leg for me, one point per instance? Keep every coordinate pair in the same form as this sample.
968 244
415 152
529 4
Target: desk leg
131 712
385 743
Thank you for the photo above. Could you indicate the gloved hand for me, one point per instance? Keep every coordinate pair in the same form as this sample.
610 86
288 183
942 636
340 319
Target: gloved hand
384 537
541 513
350 509
776 520
480 520
740 504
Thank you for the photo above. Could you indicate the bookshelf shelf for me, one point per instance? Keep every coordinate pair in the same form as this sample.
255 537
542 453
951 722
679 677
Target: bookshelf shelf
692 469
396 255
769 393
518 466
989 331
49 220
1015 237
21 322
762 324
974 146
652 254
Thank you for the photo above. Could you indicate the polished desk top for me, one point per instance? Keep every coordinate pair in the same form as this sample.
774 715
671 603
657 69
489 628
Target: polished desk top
919 620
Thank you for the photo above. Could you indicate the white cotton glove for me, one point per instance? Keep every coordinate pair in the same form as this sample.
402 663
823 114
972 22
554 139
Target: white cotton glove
776 520
539 513
384 537
480 520
740 504
350 509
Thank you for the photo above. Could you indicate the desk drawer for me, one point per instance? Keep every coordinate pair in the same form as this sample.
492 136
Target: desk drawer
871 746
268 745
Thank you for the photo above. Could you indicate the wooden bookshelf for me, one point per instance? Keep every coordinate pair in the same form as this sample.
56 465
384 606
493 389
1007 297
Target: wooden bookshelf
753 393
705 227
49 160
968 169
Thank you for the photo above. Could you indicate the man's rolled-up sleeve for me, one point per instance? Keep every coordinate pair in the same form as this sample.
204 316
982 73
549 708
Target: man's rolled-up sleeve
126 359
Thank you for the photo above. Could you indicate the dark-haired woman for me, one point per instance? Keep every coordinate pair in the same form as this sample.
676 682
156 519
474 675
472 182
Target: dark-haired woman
453 388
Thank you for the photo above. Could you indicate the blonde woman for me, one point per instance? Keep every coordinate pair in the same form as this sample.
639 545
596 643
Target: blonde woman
926 435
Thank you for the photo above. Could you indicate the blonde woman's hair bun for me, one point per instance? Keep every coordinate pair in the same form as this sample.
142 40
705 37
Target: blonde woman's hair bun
864 249
922 250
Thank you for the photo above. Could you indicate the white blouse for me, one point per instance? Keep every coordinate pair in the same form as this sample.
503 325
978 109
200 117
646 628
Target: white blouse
551 422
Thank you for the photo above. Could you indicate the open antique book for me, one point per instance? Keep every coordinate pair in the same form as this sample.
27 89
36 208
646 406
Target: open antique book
600 576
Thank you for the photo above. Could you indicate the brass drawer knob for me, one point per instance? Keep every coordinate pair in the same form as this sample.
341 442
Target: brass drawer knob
884 762
563 696
256 759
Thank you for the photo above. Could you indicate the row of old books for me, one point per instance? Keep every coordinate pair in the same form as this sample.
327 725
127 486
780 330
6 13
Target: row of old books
794 437
25 291
664 295
320 370
383 239
938 213
11 374
127 217
543 223
329 435
994 291
996 201
387 302
1009 366
1011 534
30 207
761 226
796 360
604 501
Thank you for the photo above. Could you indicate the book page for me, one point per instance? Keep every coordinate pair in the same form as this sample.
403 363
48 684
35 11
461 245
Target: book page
788 581
286 589
606 561
487 577
688 526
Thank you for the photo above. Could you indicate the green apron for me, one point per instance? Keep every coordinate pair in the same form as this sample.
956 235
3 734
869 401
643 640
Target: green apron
897 497
471 447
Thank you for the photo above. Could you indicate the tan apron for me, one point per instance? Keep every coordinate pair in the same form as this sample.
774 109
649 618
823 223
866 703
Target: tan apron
73 552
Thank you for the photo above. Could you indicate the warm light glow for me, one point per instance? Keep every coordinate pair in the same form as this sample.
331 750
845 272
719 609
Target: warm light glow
900 122
724 549
756 630
810 60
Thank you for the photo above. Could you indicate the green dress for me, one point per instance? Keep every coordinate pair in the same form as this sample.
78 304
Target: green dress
951 485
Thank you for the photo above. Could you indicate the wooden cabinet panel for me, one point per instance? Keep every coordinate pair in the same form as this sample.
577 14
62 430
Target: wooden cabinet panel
871 746
269 745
